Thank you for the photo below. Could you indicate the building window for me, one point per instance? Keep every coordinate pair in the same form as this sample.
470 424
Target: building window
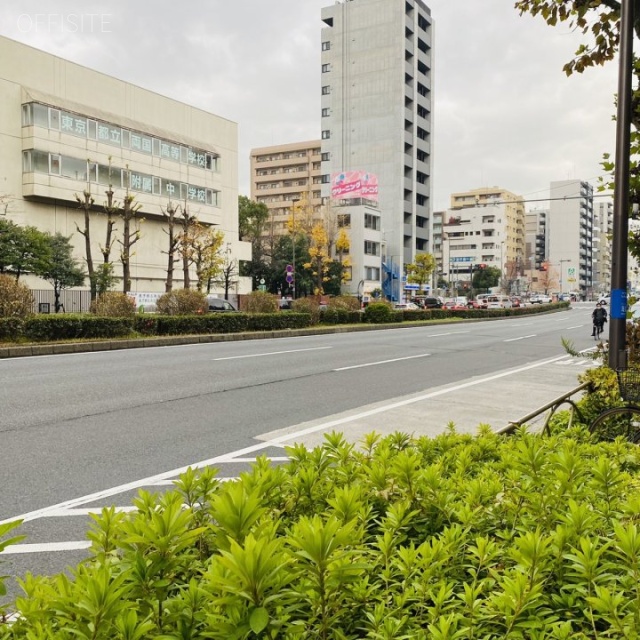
326 134
325 156
371 221
326 90
26 161
326 45
54 119
344 220
372 273
325 112
371 248
54 164
326 68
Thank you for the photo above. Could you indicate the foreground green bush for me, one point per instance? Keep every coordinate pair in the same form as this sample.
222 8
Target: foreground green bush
455 537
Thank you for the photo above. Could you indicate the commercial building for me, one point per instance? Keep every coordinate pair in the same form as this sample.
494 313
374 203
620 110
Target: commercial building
571 235
65 129
376 63
484 227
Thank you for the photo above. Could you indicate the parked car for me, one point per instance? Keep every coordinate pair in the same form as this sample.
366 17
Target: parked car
429 303
219 304
515 301
499 302
408 306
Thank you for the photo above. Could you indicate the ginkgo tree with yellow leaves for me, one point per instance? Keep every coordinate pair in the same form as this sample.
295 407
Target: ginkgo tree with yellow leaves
419 272
202 246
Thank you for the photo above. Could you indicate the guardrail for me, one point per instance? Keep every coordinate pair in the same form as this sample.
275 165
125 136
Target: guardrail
551 407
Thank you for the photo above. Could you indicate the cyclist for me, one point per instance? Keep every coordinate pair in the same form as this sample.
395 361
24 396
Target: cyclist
599 317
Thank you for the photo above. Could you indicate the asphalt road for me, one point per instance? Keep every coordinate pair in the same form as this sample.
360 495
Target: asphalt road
78 424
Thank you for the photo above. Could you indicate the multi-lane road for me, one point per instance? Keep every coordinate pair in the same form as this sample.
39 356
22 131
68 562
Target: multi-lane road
80 431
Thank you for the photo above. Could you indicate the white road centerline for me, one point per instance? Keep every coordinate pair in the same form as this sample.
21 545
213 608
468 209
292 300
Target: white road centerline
47 547
373 364
271 353
533 335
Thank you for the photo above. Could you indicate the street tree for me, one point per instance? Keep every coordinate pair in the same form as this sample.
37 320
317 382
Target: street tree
22 249
203 245
170 215
227 276
86 204
319 257
60 268
130 236
188 224
599 22
485 279
104 274
419 272
253 220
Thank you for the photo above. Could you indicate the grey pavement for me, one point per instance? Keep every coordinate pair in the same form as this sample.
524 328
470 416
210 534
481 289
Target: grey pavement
496 400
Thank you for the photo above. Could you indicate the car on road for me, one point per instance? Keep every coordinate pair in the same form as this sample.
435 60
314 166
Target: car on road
406 306
216 305
499 302
540 298
429 303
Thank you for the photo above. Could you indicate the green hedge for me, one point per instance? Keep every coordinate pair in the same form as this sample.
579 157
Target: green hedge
69 326
336 315
11 329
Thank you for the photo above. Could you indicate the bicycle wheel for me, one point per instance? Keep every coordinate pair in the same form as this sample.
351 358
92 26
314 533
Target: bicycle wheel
618 422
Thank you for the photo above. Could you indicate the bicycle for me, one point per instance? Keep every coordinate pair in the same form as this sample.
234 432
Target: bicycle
625 420
598 328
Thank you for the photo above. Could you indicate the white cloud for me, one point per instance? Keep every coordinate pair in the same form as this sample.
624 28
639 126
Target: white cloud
504 112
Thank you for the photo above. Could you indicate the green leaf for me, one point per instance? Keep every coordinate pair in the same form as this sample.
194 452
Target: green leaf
259 619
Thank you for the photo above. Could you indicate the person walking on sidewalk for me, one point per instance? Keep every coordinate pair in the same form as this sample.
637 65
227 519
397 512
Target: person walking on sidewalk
599 317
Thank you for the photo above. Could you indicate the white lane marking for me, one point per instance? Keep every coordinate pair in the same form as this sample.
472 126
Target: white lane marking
576 326
47 547
373 364
449 333
533 335
271 353
279 441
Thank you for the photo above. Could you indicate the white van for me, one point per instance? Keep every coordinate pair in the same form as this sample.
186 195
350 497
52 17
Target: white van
498 302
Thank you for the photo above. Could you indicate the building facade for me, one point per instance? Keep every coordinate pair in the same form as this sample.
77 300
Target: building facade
484 227
602 230
376 63
66 129
284 174
571 235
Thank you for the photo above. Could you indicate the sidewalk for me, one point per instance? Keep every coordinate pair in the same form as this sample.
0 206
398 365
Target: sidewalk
496 400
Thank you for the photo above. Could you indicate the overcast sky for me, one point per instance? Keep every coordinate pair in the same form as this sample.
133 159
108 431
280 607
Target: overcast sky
504 112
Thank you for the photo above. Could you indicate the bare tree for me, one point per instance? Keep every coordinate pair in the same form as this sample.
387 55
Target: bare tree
174 241
130 236
86 204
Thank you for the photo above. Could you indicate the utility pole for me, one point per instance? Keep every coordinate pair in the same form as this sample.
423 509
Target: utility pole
618 309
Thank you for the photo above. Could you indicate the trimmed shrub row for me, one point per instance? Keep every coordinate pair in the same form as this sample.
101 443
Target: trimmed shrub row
71 326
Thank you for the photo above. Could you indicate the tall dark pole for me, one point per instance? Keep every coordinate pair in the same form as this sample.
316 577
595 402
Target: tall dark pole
294 202
618 311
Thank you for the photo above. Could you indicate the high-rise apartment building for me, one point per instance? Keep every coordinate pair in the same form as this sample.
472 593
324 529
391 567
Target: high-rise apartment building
536 239
571 235
66 129
283 174
376 119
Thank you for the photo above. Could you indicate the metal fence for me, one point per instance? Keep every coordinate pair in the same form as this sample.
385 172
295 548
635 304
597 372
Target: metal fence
73 301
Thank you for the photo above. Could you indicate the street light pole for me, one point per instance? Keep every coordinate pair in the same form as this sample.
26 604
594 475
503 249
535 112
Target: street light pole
620 244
